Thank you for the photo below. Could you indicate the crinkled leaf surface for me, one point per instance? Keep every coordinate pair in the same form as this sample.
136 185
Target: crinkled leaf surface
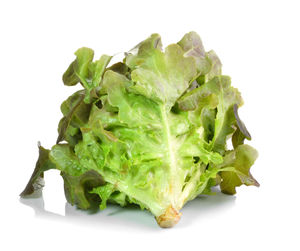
161 76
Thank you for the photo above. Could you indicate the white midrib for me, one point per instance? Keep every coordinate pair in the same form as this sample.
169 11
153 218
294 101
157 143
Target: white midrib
171 155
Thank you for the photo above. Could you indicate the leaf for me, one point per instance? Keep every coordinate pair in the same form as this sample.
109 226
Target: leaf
225 119
76 114
98 69
77 188
208 122
240 123
78 71
161 77
88 73
201 96
241 159
153 42
237 138
63 157
104 192
36 181
192 45
215 65
118 198
241 133
120 68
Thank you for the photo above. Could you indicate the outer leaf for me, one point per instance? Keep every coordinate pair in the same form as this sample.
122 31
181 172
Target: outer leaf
153 42
78 70
120 68
63 157
241 159
77 188
215 65
161 77
192 45
202 96
98 69
83 70
76 114
241 131
228 96
36 181
237 138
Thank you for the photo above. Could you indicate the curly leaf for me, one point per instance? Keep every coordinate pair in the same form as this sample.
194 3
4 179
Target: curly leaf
225 119
192 45
241 159
78 71
201 96
161 77
43 164
215 65
76 114
241 133
104 192
77 188
88 73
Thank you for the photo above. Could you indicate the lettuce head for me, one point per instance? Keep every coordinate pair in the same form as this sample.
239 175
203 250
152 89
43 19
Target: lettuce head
150 130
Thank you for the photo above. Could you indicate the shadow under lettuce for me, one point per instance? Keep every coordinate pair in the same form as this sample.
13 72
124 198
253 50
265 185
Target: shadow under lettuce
131 216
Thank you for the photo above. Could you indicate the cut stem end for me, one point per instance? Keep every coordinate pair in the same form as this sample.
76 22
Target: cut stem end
169 218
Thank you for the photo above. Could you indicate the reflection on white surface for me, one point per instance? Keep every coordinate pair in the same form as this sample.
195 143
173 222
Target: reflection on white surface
199 209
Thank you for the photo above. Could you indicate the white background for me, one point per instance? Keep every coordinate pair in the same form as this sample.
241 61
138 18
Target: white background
258 43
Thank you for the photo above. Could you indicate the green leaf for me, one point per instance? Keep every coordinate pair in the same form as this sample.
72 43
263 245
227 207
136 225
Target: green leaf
77 188
120 68
241 133
192 45
205 95
63 157
118 198
215 65
208 121
241 159
78 71
88 73
225 119
153 42
104 192
76 114
98 69
36 180
237 138
161 77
